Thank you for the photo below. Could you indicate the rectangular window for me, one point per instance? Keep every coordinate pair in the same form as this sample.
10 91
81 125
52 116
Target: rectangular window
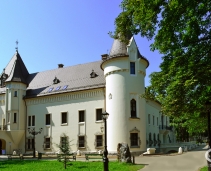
30 144
99 114
157 121
64 117
132 68
153 120
15 117
33 120
29 120
47 119
47 142
81 141
82 116
134 139
15 94
148 118
99 140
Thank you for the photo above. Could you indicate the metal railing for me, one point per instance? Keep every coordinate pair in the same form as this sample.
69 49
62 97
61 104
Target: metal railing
3 127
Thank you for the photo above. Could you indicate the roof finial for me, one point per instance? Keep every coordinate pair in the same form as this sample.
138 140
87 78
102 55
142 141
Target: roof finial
16 46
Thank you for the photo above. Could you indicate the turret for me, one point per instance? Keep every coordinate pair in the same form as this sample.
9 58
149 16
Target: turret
124 71
15 85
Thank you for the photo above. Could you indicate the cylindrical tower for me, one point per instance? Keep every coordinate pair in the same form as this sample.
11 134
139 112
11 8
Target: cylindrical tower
124 70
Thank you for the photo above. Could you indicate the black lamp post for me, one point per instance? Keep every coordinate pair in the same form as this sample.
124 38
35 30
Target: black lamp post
105 153
33 132
208 108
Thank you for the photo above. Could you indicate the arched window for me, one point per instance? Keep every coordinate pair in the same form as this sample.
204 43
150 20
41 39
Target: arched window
133 108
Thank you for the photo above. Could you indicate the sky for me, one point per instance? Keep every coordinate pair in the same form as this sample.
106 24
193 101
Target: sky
70 32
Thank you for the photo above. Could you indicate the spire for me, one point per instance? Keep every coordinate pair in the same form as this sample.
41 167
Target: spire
16 70
16 46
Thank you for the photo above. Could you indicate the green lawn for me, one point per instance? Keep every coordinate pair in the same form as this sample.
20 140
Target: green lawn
42 165
204 168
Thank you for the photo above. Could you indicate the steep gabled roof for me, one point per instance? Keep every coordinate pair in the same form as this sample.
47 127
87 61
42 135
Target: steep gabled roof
16 70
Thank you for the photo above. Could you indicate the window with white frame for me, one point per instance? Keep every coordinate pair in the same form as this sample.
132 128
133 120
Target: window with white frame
81 116
15 118
99 114
99 140
148 118
15 94
30 143
132 68
31 120
64 118
153 120
133 108
47 119
81 141
134 140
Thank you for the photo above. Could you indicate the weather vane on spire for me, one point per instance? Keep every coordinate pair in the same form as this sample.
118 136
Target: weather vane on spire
16 45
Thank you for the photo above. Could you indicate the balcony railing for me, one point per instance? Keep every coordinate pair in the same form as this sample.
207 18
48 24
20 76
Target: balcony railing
3 127
164 127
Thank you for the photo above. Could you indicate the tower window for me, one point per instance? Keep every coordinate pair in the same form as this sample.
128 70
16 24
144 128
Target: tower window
134 139
47 119
15 94
132 68
133 108
15 118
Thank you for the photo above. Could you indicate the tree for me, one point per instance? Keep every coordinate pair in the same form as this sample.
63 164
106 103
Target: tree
64 147
181 30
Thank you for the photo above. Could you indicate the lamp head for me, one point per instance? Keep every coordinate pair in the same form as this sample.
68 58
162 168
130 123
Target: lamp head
105 115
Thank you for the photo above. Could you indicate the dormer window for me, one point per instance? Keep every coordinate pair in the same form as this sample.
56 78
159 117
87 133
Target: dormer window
56 80
3 78
93 74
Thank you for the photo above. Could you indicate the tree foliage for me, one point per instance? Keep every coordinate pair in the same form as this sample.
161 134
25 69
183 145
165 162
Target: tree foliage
181 30
64 148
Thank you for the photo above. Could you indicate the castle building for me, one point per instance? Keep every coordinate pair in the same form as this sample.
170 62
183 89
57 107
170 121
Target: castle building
71 100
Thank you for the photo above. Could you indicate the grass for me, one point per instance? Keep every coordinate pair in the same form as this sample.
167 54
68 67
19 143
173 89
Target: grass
205 168
43 165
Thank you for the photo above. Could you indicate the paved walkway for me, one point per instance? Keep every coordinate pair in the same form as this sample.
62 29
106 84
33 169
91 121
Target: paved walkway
188 161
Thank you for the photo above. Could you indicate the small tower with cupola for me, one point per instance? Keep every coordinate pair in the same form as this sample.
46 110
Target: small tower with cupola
14 82
124 71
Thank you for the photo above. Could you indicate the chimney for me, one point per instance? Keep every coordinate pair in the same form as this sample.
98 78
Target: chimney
104 57
60 65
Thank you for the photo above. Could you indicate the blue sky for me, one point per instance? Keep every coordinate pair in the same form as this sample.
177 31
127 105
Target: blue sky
62 31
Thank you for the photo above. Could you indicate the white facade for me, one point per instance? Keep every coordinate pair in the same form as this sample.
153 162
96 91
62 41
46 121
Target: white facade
76 113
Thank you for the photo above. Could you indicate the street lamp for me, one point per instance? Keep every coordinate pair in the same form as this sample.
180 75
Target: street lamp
208 108
105 153
33 132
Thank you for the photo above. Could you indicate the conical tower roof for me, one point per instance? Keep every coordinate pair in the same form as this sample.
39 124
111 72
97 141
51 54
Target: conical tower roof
118 49
16 70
